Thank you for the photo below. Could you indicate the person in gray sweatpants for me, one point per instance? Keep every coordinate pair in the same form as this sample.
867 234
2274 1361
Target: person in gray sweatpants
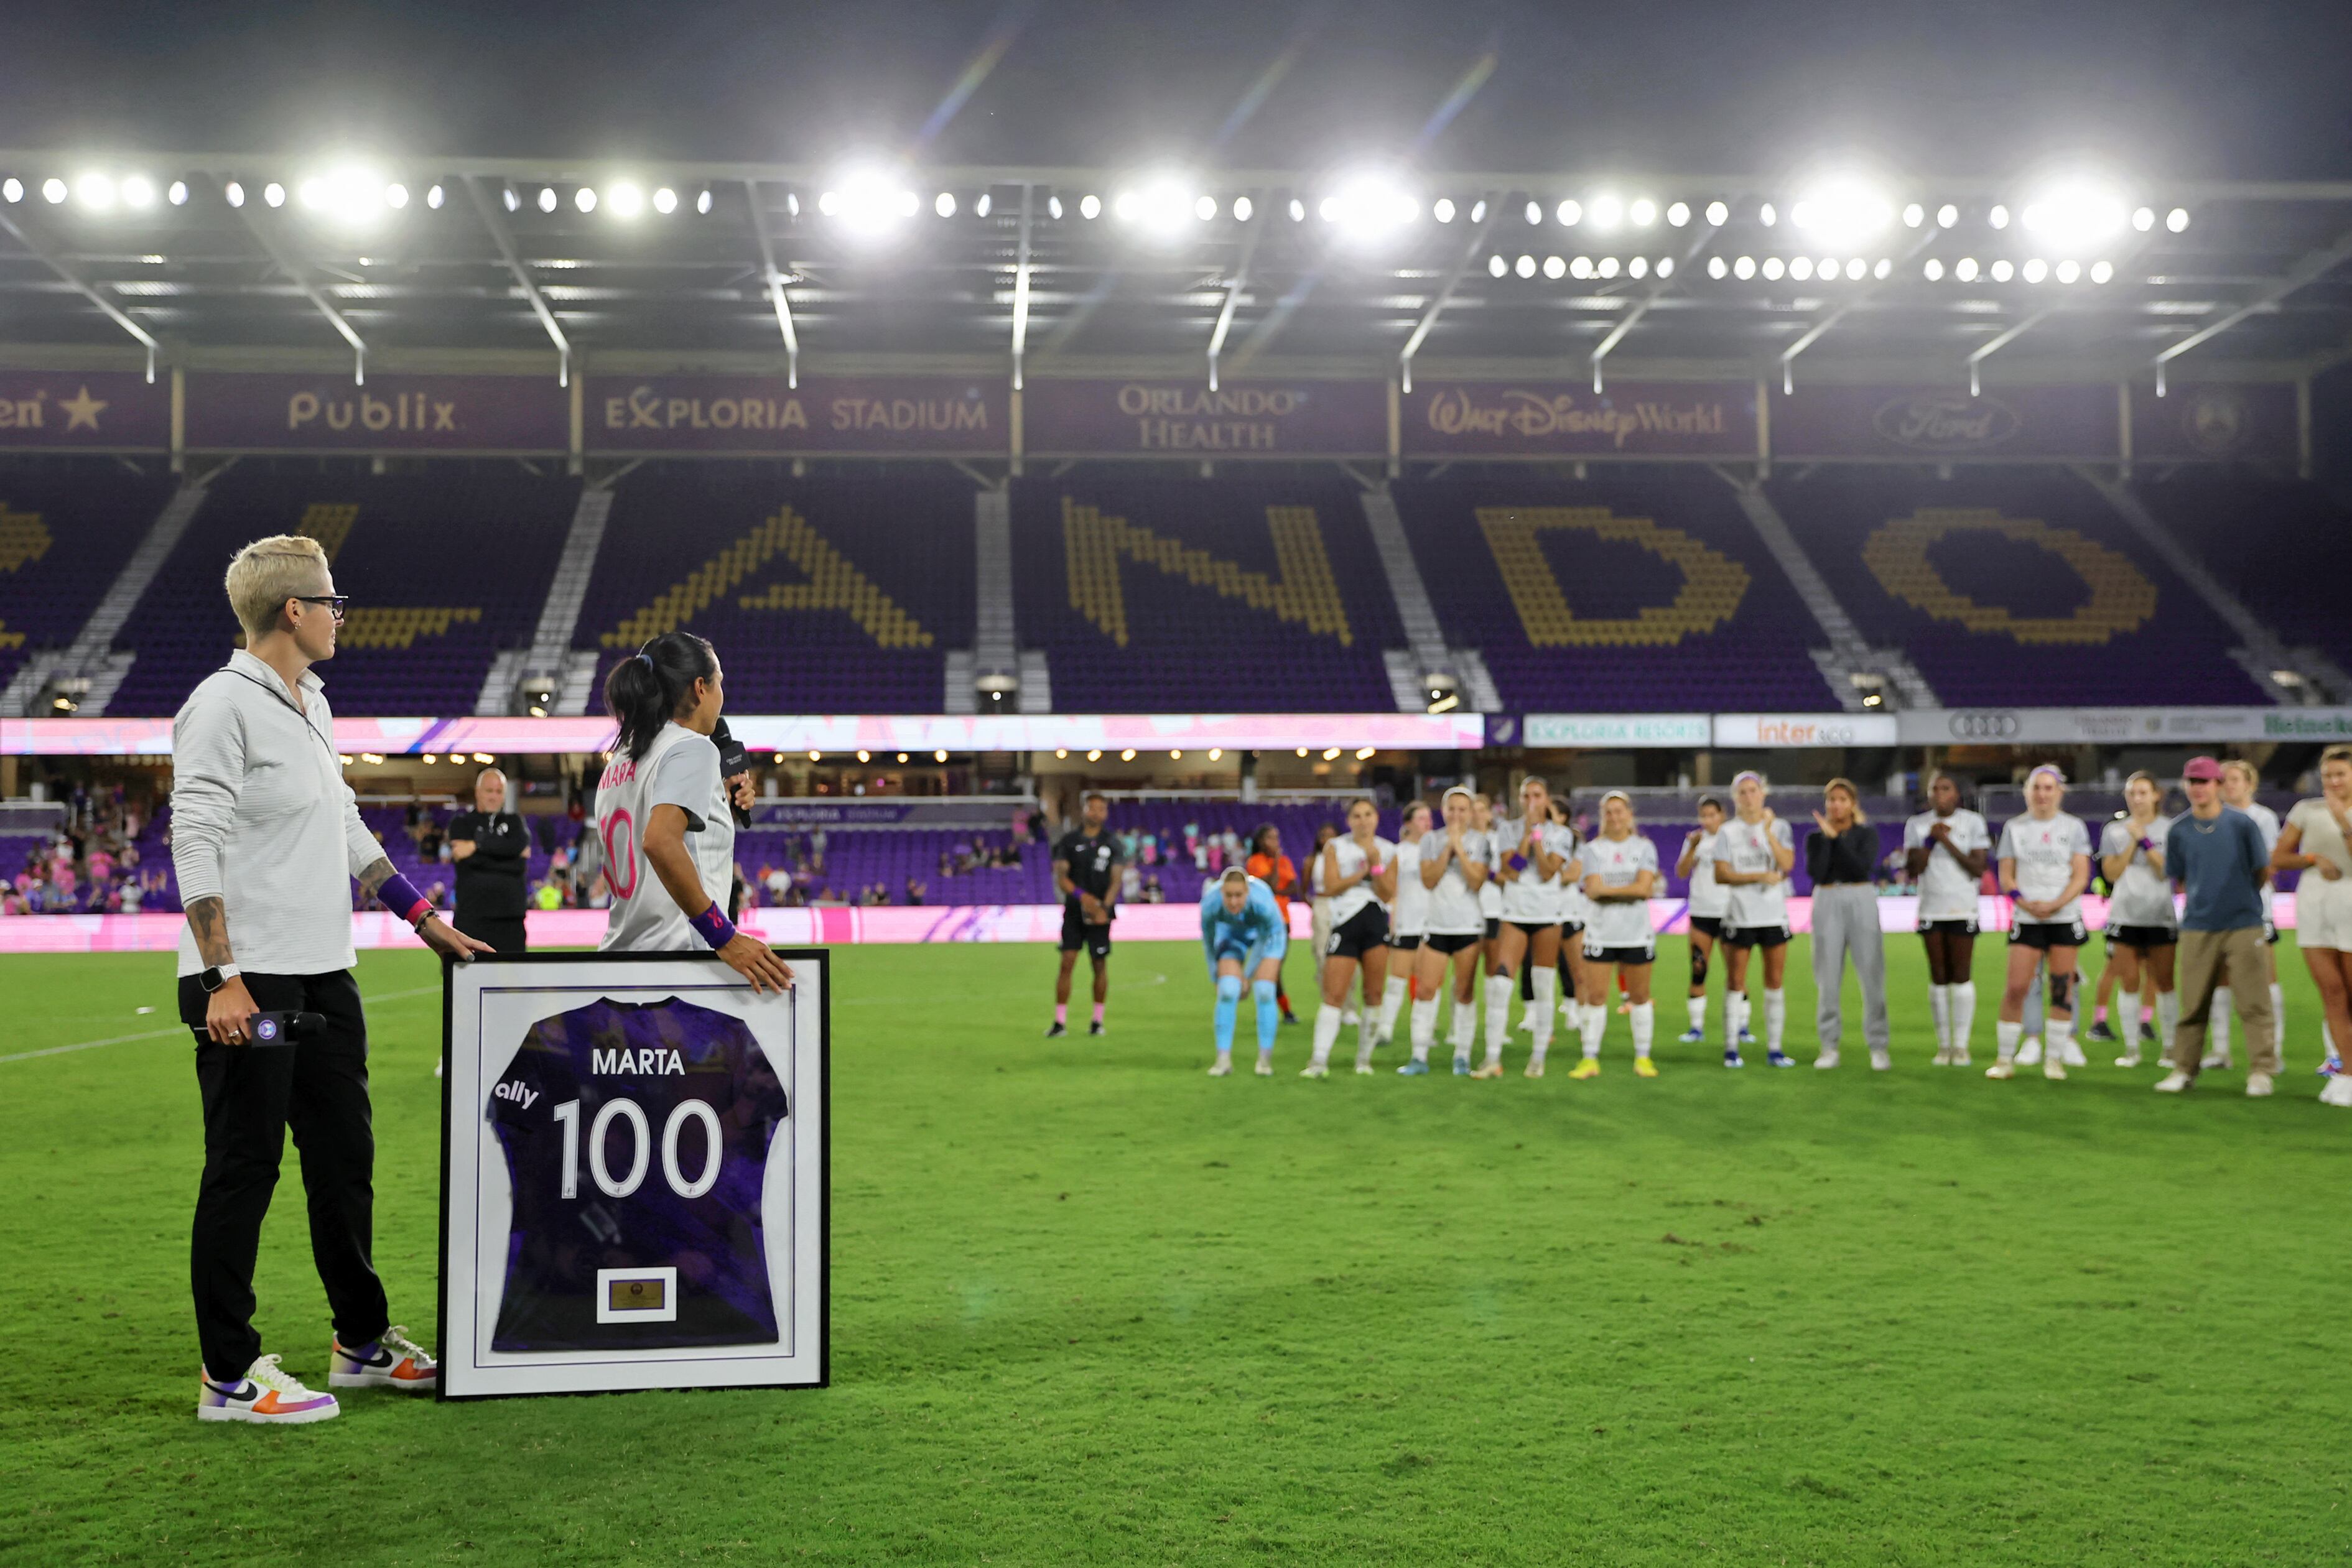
1843 860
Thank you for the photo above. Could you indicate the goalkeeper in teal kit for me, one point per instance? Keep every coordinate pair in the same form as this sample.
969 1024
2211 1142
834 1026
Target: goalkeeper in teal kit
1242 932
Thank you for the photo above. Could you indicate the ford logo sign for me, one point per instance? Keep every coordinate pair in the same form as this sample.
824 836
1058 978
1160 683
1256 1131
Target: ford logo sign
1986 725
1946 422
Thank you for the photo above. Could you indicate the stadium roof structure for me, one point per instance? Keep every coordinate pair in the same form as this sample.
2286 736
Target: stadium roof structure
258 262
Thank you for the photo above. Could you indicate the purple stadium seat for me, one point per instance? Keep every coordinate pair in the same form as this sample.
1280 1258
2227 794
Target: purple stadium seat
2283 546
65 528
1633 592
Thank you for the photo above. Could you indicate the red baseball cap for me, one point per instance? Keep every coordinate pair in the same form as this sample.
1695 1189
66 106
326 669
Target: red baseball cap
2204 770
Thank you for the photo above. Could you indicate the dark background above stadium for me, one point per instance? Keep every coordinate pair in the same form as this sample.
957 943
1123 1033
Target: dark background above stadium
2174 89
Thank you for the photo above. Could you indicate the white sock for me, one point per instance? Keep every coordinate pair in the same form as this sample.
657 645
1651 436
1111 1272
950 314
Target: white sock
2217 1023
1592 1023
1328 1019
1368 1034
1735 1015
1776 1017
1464 1033
2167 1023
1964 1013
2278 1018
1645 1024
1499 1013
1697 1006
1540 1014
1940 1002
1424 1027
1391 1003
2057 1038
2008 1034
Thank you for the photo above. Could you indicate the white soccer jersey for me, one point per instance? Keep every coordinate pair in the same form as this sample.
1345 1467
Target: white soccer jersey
1748 848
2141 897
1533 899
1947 891
2268 821
1409 916
679 769
2044 853
1709 897
1619 862
1349 901
1453 909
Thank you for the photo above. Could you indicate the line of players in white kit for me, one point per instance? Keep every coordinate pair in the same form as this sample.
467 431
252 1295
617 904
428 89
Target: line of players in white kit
1523 896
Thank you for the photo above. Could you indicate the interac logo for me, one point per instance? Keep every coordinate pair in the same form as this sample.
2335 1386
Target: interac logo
1303 590
831 582
2122 598
1713 583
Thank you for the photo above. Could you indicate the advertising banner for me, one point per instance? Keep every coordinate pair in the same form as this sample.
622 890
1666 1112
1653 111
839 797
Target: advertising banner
278 412
1945 423
1568 419
651 1101
873 415
2215 422
1185 419
84 411
1618 731
2121 725
1766 731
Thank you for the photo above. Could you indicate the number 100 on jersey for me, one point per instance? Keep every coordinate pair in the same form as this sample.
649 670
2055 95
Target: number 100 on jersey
635 1175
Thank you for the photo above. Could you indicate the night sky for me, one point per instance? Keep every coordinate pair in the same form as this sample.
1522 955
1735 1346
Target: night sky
2242 88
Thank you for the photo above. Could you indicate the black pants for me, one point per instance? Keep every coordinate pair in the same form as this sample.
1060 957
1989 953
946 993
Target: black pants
502 932
251 1095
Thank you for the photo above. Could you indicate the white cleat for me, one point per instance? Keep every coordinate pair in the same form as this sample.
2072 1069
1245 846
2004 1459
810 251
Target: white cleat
2338 1092
2259 1086
2030 1051
1313 1070
1961 1056
2174 1083
1223 1067
1881 1060
1266 1067
2129 1058
1826 1061
2054 1069
1944 1057
2213 1059
2074 1057
1363 1070
2001 1070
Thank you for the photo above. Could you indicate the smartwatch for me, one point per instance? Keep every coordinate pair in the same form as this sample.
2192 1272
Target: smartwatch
214 978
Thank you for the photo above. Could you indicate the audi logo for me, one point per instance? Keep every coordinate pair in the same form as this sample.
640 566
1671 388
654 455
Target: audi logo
1992 725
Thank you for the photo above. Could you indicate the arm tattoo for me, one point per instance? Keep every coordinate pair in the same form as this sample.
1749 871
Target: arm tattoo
208 918
374 876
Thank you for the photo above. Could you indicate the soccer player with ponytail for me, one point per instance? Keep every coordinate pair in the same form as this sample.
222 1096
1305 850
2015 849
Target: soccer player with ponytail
660 785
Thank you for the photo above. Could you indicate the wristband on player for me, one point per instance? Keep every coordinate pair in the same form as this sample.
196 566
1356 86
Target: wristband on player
397 894
2148 846
713 926
2016 894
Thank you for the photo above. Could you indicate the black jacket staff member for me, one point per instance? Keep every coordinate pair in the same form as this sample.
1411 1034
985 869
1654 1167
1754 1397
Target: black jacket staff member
492 849
265 837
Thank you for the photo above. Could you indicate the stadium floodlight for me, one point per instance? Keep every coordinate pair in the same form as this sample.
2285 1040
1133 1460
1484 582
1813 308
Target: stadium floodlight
871 203
1298 211
1965 269
138 191
95 191
1767 214
395 196
1843 212
815 755
1302 752
584 198
1061 753
1717 213
2036 269
1478 211
865 755
2177 220
1370 207
1997 217
233 191
1330 754
1175 756
1948 216
53 191
1569 213
428 759
1581 267
1933 271
1205 208
625 199
547 198
1496 267
1554 268
2069 270
1666 267
944 203
1827 267
1914 214
2073 217
1534 214
1525 267
1095 755
902 756
12 189
2143 218
1678 215
1363 754
1163 204
1881 269
1244 209
1606 212
981 204
353 194
1608 267
1442 210
1127 755
665 200
2003 272
1716 267
1801 268
1856 269
1638 267
273 194
1773 267
510 198
485 758
1744 268
702 201
2102 271
1089 206
1643 212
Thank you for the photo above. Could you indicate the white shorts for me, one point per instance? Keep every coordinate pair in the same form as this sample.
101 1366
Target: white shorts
2323 913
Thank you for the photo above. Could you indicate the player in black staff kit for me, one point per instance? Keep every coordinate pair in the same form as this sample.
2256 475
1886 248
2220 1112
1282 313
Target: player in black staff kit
492 849
1086 874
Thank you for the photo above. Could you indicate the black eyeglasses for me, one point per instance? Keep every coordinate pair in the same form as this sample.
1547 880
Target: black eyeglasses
333 601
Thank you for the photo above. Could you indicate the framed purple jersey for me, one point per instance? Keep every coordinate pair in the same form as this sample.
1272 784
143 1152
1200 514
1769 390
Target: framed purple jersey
635 1175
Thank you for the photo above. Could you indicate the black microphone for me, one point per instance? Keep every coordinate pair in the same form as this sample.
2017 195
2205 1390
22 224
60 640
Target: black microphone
275 1029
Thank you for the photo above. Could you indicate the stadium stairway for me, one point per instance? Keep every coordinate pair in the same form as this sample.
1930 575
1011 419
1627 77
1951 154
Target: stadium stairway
550 660
92 657
1425 653
995 648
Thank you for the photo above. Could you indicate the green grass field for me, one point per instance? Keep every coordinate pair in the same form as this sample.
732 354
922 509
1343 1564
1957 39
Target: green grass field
1091 1306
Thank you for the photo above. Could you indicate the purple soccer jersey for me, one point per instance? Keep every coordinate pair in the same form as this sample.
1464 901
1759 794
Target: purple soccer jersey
636 1141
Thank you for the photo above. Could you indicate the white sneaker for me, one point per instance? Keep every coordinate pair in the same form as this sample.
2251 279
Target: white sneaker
2213 1059
394 1360
2001 1070
1364 1070
1266 1067
1943 1056
1826 1061
2030 1051
1223 1067
1314 1069
2258 1085
2174 1083
267 1395
1961 1056
2074 1057
2130 1059
1881 1059
2337 1092
2055 1067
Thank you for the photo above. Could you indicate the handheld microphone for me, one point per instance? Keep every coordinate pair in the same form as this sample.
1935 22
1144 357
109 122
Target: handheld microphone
277 1028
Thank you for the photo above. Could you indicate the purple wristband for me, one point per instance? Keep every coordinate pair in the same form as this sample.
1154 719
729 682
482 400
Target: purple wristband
397 894
712 926
2016 894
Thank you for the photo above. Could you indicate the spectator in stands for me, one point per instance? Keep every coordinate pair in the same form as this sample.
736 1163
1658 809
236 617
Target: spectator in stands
549 894
1842 857
2218 856
1153 892
491 848
915 891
